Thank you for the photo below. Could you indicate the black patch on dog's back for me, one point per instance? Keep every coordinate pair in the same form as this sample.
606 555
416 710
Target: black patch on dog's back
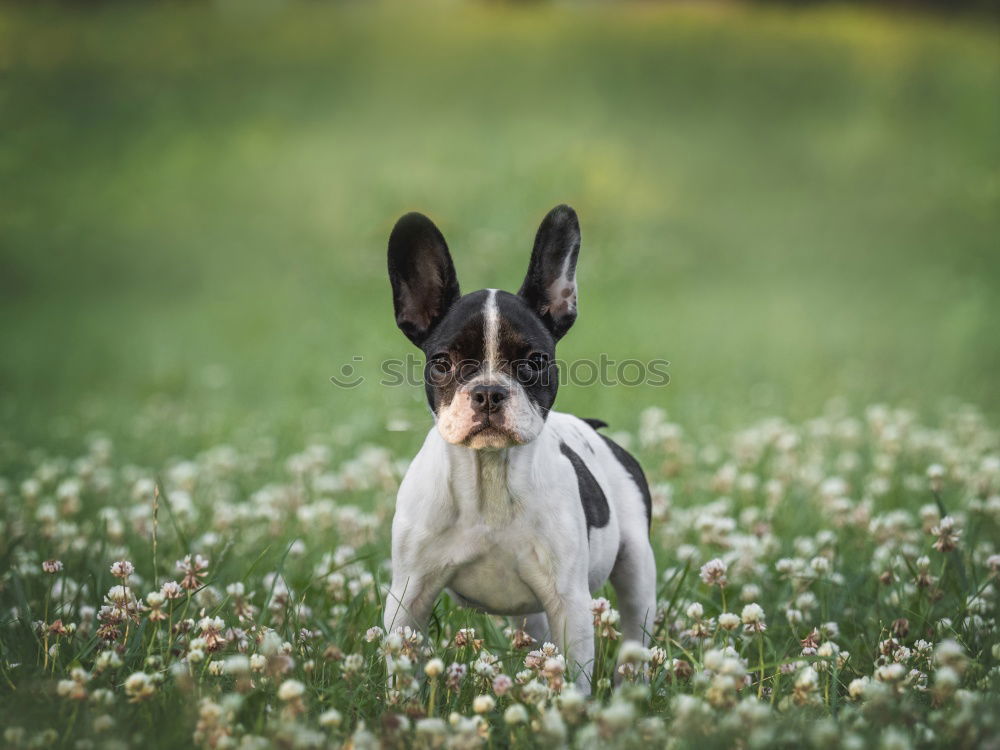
595 504
631 465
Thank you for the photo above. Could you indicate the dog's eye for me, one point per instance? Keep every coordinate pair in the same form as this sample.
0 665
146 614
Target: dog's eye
529 368
439 366
538 360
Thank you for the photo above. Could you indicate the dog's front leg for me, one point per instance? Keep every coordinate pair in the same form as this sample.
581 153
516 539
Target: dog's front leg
411 597
567 608
573 628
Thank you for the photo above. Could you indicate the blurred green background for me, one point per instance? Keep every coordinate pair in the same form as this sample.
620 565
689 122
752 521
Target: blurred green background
788 204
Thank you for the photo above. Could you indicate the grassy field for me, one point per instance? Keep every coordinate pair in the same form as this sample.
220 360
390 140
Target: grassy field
797 208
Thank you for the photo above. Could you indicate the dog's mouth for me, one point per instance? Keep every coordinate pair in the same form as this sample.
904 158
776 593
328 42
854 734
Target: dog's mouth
490 434
485 426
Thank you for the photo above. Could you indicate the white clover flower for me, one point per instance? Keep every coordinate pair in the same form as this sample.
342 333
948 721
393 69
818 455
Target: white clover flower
238 664
502 684
432 728
107 660
483 704
733 667
354 663
695 611
171 590
515 714
211 623
236 589
606 624
599 605
155 599
139 686
484 668
948 534
752 613
291 690
434 667
729 621
271 644
713 573
951 654
891 673
330 718
947 679
712 660
806 685
821 566
858 687
827 650
122 569
71 689
806 601
534 692
393 642
120 594
572 700
258 662
753 618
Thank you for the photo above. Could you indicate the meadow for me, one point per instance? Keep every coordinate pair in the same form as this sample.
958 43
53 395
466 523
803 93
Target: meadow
796 207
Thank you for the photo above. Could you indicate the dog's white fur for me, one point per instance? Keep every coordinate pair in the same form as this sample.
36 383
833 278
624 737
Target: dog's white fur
505 532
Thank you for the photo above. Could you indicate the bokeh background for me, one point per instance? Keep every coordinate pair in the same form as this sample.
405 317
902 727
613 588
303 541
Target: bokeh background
791 204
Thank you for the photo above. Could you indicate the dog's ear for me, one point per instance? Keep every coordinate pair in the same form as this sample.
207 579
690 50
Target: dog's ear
550 286
422 275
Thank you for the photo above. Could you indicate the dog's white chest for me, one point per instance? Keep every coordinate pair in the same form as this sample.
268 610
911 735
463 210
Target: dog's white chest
491 583
489 579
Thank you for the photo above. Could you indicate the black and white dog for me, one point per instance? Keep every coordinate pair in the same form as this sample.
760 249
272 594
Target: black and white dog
515 508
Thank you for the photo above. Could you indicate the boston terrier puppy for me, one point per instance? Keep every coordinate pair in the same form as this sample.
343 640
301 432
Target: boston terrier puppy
515 508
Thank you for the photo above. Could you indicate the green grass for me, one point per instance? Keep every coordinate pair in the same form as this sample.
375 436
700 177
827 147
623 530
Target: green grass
796 208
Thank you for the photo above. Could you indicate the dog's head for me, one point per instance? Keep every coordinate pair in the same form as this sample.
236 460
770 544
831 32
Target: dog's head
490 373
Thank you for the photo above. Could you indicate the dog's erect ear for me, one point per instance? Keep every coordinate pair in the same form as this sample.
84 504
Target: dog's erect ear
550 286
423 278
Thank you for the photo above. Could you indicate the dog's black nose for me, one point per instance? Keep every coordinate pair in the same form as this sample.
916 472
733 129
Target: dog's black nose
487 398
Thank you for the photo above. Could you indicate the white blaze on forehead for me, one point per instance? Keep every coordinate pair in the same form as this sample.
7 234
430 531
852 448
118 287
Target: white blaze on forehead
491 331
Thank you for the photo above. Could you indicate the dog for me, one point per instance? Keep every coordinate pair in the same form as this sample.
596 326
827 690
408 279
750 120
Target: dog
516 509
